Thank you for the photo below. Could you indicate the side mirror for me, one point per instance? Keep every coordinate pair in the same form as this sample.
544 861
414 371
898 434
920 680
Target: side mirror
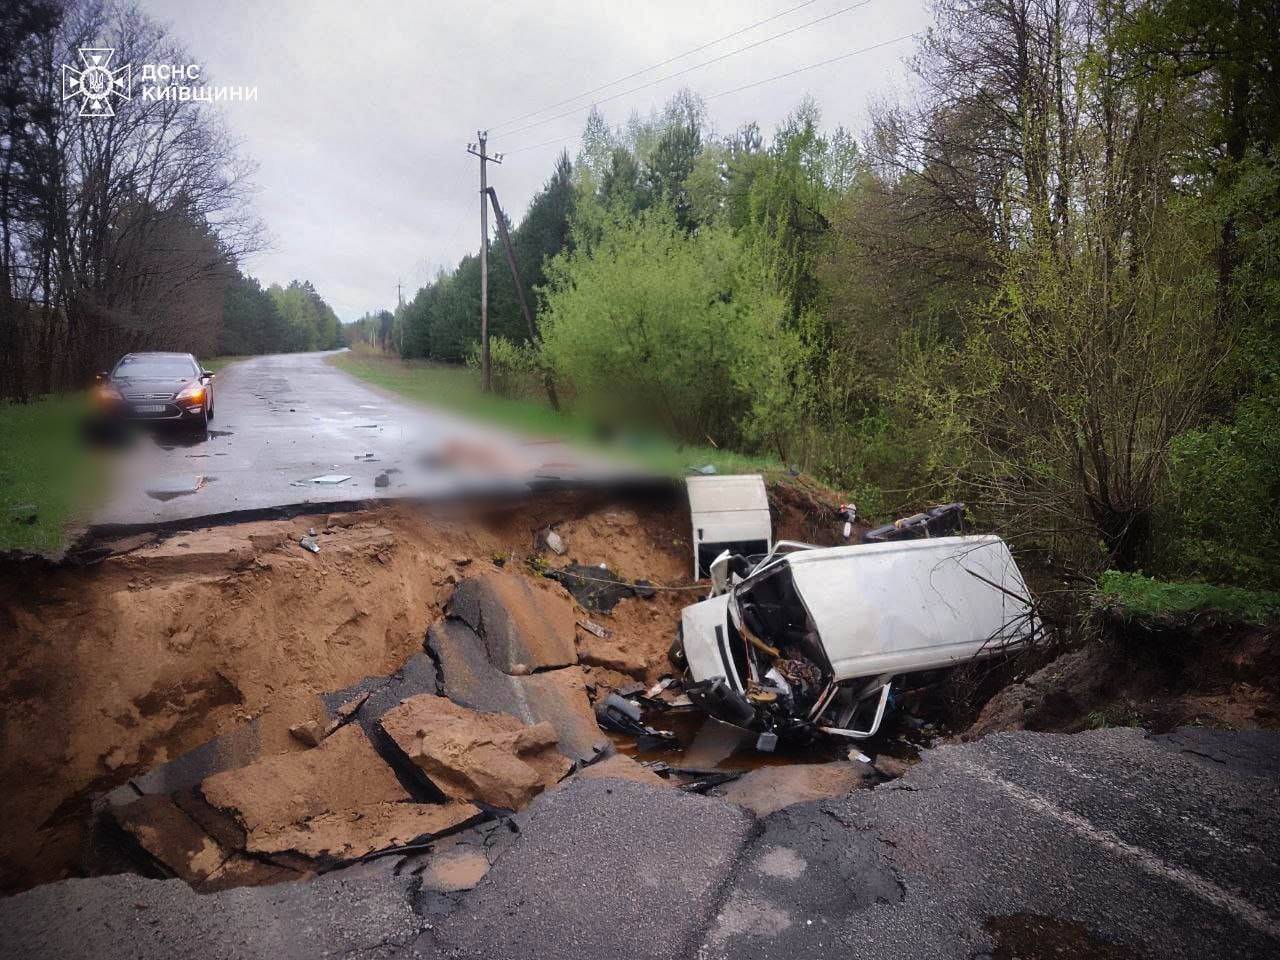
100 377
206 374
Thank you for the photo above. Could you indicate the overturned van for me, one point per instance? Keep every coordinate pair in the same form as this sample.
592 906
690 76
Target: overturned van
812 638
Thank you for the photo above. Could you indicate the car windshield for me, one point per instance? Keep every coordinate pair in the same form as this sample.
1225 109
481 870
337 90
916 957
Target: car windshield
154 368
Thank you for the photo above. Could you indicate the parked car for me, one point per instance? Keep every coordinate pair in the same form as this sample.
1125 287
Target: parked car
167 387
811 638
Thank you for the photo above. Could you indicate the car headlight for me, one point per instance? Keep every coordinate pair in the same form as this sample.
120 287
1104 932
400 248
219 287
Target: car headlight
107 395
191 394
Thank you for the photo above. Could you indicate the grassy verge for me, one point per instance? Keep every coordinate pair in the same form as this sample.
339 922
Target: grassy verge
46 474
216 364
1145 598
458 388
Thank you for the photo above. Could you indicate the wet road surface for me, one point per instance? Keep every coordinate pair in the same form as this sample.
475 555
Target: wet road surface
283 420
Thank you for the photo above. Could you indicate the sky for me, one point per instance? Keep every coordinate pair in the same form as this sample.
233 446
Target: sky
364 110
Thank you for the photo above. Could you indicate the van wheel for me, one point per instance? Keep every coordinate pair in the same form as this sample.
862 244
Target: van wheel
675 653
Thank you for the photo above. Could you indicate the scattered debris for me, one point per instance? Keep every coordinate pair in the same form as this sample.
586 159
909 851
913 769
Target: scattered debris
166 488
309 733
554 542
382 480
594 628
330 478
597 588
309 544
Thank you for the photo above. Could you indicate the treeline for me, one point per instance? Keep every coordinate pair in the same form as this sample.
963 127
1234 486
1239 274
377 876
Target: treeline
1045 285
121 233
276 320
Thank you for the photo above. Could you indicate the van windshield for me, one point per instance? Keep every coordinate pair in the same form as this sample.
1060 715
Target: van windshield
772 609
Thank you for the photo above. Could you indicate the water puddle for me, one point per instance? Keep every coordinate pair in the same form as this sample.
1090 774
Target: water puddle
1030 936
167 488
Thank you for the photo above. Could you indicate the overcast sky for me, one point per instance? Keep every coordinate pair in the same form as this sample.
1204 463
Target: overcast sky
364 109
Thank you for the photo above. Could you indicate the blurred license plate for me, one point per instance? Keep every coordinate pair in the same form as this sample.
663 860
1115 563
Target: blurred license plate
150 408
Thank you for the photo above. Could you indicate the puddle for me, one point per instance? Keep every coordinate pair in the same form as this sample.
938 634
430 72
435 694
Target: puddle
1030 936
167 488
221 433
702 743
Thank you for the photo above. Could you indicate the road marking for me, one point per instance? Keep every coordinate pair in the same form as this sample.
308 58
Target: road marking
1192 882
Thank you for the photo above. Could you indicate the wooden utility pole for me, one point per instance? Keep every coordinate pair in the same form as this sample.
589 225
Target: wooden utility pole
548 379
486 375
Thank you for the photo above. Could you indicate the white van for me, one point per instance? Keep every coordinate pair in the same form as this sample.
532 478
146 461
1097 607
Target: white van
810 636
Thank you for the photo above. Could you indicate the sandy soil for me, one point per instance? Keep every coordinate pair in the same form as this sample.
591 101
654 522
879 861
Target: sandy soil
110 670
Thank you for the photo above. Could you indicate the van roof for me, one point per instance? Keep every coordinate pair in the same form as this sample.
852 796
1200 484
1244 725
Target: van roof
912 604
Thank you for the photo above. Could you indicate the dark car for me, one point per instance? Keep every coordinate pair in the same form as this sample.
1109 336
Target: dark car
164 387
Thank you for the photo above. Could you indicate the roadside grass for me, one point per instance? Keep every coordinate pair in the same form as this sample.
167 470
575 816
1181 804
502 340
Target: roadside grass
1144 598
457 388
216 364
47 475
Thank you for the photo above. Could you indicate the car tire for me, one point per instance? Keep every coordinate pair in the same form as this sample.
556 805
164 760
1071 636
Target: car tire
209 414
200 425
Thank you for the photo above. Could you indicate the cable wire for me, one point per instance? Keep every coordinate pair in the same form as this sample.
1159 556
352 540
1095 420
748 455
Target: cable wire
745 86
696 66
662 63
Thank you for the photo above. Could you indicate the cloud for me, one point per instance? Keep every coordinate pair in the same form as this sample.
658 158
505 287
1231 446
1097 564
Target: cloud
364 110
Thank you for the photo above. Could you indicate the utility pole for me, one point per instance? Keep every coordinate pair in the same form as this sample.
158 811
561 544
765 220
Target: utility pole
486 379
548 379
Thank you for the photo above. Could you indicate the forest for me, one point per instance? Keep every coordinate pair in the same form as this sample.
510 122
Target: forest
129 233
1045 284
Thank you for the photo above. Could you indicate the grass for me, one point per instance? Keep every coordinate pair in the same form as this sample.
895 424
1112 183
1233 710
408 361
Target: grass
1146 598
458 388
216 364
46 474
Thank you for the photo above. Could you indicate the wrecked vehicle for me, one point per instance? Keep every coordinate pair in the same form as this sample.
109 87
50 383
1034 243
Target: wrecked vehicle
811 638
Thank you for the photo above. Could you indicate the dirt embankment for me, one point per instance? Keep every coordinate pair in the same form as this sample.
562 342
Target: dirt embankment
110 670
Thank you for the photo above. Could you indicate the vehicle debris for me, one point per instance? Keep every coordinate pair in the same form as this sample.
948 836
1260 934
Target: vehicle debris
729 514
554 542
330 478
810 639
309 544
594 628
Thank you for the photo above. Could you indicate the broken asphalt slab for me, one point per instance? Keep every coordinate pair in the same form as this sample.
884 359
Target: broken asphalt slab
556 696
603 868
522 623
1141 846
1122 837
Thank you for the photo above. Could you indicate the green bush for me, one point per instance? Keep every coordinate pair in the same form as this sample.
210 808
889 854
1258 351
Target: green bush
647 322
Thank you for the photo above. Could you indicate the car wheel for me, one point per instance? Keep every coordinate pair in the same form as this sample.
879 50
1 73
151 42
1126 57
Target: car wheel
209 413
200 425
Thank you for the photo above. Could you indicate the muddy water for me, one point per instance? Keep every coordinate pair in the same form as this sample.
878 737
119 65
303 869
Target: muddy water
702 743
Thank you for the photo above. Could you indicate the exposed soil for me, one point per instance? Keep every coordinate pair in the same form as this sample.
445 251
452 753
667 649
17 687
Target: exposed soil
1208 672
235 632
112 669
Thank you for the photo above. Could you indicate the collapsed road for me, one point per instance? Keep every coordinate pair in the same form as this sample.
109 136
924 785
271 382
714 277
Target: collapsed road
388 747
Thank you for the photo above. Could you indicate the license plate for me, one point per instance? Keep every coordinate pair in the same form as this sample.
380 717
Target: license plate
150 408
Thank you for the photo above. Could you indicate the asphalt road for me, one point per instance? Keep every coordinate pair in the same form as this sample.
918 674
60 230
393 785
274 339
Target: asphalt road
283 420
1111 845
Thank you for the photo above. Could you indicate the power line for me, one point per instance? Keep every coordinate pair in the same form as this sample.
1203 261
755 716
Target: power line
662 63
745 86
812 66
696 66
